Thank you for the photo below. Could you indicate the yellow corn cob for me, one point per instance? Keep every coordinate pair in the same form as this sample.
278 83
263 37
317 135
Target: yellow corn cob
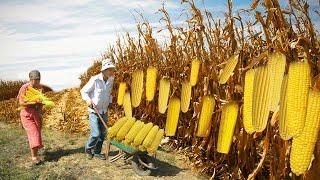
157 140
228 69
125 128
151 82
164 91
150 137
142 134
112 132
283 129
142 148
172 116
136 88
227 124
261 98
33 90
127 105
138 125
205 116
195 66
247 101
121 92
299 80
185 96
303 146
277 65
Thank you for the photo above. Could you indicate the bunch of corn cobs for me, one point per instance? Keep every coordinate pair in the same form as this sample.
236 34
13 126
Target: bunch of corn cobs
136 134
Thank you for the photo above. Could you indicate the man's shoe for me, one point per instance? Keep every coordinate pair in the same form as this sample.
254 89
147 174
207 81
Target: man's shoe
89 154
100 156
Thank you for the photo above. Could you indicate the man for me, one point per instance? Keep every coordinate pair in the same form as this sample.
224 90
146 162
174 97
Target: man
31 116
97 94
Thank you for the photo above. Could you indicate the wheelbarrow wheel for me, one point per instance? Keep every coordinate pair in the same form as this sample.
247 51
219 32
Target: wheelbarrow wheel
139 168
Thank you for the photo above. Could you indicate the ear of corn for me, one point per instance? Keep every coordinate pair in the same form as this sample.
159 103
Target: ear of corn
228 69
127 105
150 137
227 124
33 95
151 83
164 90
298 84
303 146
125 129
142 134
283 129
136 87
277 65
112 132
172 116
261 98
247 101
195 66
142 148
121 92
138 125
156 142
207 109
185 96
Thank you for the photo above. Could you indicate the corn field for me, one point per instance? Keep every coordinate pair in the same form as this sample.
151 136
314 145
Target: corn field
9 89
221 73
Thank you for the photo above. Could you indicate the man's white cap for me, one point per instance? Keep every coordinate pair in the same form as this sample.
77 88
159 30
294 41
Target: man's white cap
106 64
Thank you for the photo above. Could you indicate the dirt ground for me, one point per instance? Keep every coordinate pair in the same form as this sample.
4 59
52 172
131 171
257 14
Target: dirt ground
63 158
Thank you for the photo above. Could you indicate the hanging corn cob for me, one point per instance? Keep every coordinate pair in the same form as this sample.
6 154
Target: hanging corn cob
228 69
172 116
283 129
138 125
121 92
195 66
227 124
150 137
164 91
142 134
136 88
151 83
156 142
277 65
207 109
261 98
112 132
247 101
299 80
185 96
127 105
125 128
303 146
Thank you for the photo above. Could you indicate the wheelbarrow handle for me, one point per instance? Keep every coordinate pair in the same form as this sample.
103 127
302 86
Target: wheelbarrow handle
97 112
105 125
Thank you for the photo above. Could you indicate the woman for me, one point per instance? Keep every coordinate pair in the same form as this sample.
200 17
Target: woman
31 116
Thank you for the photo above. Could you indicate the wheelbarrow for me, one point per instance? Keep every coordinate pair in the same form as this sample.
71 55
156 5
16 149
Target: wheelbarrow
140 161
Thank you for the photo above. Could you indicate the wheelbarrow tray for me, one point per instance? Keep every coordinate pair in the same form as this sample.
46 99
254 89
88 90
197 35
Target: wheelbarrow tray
123 147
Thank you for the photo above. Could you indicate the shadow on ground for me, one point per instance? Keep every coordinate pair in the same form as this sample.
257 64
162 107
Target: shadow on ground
164 168
57 154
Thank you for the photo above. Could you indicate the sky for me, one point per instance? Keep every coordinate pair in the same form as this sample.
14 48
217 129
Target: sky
62 38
